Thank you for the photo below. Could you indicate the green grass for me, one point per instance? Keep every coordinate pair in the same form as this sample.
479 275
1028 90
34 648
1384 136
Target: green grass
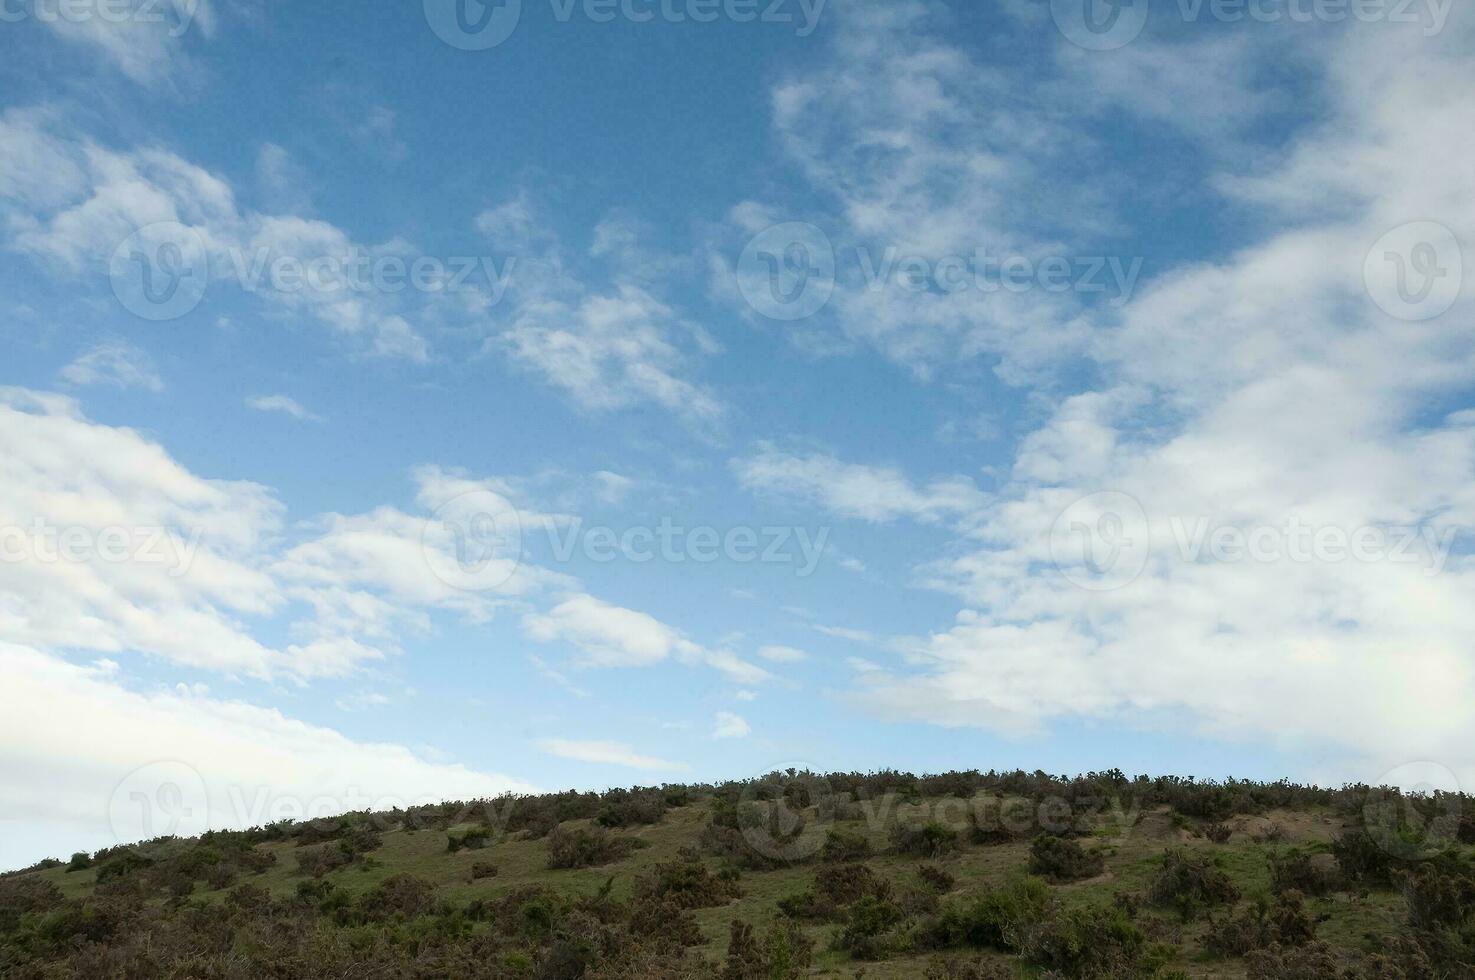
1133 855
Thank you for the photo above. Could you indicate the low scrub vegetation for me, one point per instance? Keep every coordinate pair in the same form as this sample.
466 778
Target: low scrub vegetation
962 876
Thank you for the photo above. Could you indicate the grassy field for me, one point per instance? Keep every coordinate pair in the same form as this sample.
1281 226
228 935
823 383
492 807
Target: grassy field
1352 920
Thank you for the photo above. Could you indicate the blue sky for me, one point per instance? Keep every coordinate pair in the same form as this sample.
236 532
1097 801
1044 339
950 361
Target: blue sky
1008 394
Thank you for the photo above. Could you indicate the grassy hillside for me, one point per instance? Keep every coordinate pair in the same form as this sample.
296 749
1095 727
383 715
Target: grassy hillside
880 875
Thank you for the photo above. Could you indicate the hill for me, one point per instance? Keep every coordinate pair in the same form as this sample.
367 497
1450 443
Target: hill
878 875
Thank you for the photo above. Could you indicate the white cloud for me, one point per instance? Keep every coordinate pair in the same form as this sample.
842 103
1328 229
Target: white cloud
1259 389
98 743
609 351
284 404
115 363
609 636
94 198
143 39
361 701
869 493
607 754
782 655
612 636
943 155
607 347
186 568
729 725
282 182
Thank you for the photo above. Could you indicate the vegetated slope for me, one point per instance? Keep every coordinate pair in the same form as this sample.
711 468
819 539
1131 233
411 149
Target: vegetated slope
964 875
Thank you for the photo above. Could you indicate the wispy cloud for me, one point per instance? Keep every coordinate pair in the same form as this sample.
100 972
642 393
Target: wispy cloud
607 754
283 404
114 363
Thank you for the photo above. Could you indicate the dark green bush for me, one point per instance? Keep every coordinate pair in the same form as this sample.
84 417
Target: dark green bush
473 839
930 840
1058 859
843 845
588 848
1191 884
688 885
1362 860
1296 870
1091 944
1284 922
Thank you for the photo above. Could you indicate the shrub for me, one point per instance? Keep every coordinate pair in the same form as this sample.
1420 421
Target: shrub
687 885
1091 943
588 848
930 840
21 896
630 809
1206 801
993 920
991 828
483 869
843 845
783 953
835 886
256 860
1218 833
1314 961
1362 860
1058 859
663 919
1285 923
321 859
867 930
1295 870
1191 884
1439 895
978 969
80 861
360 840
936 877
220 877
123 865
402 896
847 883
471 840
